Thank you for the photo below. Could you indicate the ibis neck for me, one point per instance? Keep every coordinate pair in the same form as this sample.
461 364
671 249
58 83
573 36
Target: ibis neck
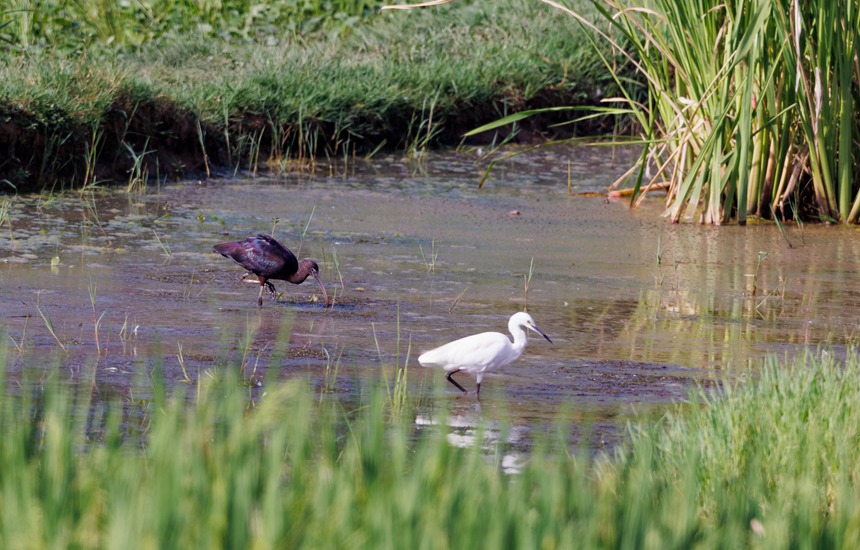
298 277
304 271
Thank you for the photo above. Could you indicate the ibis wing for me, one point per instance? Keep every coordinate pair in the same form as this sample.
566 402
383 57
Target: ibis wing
260 254
274 257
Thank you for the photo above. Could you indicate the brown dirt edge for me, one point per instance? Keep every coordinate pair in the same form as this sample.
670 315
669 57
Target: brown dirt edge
39 153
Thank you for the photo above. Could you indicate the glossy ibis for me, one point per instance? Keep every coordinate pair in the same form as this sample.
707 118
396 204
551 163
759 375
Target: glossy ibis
268 259
481 353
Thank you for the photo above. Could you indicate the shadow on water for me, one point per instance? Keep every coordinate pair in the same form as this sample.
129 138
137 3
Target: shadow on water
105 284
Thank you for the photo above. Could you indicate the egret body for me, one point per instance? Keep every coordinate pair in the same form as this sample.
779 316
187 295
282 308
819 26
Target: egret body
481 353
268 259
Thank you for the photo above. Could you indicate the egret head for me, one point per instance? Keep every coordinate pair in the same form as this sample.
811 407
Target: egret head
523 319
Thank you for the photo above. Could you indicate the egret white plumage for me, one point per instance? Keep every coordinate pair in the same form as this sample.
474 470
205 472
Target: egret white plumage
481 353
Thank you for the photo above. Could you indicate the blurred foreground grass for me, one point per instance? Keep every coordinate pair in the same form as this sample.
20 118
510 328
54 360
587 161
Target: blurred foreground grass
771 462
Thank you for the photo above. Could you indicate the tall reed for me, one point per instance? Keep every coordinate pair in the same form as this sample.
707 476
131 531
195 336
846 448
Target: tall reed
750 106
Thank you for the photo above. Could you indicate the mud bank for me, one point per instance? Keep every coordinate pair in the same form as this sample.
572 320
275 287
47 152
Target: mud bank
161 141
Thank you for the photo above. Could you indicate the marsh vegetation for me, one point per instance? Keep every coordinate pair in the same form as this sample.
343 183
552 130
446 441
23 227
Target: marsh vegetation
749 109
702 391
139 371
742 110
214 89
770 464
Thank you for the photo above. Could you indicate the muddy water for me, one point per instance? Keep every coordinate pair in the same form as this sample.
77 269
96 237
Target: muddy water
639 310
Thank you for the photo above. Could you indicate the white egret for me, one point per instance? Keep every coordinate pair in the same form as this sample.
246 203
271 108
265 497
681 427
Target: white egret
481 353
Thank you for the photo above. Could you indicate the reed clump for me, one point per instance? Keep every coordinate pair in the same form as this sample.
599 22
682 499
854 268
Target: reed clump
769 462
750 107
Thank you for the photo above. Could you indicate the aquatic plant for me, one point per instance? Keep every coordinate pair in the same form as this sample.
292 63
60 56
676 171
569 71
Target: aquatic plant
165 247
527 279
92 150
431 258
19 344
421 131
337 268
764 463
397 392
761 257
750 106
332 368
97 319
6 214
138 174
46 319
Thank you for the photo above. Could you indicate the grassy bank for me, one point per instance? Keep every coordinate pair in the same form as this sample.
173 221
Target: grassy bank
769 463
92 108
27 25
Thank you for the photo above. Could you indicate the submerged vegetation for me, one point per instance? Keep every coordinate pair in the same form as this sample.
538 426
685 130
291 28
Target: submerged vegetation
92 93
770 464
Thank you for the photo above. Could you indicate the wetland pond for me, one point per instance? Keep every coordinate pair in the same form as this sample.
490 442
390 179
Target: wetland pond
639 310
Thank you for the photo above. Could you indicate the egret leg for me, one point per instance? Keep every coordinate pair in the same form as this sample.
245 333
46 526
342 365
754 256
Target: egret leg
478 393
459 387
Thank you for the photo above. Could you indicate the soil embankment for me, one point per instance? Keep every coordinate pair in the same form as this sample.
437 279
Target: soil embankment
157 138
196 105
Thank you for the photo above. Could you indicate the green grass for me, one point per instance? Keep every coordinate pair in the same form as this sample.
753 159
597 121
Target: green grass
405 81
769 462
71 26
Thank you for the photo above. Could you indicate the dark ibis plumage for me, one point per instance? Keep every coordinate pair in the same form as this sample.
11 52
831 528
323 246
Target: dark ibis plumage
268 259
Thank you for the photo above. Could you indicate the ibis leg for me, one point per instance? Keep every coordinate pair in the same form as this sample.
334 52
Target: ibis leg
459 387
272 291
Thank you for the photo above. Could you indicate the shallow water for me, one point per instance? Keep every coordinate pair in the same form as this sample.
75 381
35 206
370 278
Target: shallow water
639 310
